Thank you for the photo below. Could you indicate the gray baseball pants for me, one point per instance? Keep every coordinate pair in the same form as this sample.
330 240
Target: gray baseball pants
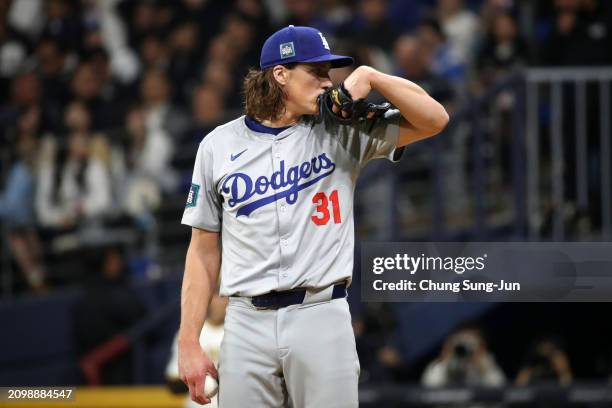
300 356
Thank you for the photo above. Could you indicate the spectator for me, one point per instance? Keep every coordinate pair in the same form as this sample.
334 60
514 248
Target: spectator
54 71
221 71
154 52
216 76
213 12
300 12
546 363
334 15
62 23
503 49
580 35
464 361
88 85
105 29
502 53
16 203
257 14
91 20
372 27
115 95
141 166
444 60
73 180
413 61
221 50
461 28
491 9
144 18
207 109
77 118
160 114
85 85
240 32
184 59
372 34
25 92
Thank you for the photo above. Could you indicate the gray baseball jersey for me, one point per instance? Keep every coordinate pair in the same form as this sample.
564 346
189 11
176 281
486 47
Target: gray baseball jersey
284 203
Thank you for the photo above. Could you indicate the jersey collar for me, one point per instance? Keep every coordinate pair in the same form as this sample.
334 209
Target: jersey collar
259 127
268 133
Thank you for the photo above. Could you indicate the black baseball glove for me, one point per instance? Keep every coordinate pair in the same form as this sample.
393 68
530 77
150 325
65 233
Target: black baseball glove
355 111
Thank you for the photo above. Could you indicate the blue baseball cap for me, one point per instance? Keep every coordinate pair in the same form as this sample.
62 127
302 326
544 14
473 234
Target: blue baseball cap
299 44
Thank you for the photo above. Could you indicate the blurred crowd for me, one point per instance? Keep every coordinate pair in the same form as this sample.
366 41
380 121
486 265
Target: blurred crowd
465 359
104 101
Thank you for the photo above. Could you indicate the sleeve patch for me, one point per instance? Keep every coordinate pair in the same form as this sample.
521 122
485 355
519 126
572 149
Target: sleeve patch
192 198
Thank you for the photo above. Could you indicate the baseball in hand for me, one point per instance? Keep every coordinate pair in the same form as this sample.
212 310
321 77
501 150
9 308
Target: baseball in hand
210 386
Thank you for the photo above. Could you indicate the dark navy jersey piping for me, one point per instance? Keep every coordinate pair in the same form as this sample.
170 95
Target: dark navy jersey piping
261 128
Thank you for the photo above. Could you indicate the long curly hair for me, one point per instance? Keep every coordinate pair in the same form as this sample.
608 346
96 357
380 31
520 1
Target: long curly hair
264 97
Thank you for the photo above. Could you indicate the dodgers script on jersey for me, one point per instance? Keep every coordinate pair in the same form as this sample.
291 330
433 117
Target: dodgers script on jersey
284 203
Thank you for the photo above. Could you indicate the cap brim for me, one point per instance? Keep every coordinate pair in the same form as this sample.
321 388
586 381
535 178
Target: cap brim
337 61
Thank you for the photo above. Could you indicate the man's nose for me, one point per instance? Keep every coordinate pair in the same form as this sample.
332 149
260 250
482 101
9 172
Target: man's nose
326 83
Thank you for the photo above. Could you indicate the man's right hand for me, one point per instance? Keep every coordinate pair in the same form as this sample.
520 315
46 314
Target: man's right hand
194 364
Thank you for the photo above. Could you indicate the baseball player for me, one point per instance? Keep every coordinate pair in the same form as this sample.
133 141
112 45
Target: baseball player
271 211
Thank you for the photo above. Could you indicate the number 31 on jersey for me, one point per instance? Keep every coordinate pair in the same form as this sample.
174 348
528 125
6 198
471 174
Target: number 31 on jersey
322 202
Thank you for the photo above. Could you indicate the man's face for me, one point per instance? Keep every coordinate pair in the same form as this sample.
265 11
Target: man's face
304 85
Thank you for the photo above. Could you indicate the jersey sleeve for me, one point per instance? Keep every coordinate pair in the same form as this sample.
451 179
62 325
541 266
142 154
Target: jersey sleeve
372 139
203 207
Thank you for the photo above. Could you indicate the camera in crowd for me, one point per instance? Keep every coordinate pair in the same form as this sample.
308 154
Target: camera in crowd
462 365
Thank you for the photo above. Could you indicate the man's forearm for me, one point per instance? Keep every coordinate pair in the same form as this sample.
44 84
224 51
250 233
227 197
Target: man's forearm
199 284
415 105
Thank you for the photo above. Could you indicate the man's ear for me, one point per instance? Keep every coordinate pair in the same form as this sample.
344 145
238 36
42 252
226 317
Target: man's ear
281 74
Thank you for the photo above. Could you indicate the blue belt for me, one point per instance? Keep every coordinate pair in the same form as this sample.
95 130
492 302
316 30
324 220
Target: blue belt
277 300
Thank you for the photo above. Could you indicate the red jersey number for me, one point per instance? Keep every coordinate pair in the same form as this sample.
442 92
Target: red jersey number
322 203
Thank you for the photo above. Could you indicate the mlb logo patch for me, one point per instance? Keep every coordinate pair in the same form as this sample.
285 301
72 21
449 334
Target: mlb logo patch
192 198
287 50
